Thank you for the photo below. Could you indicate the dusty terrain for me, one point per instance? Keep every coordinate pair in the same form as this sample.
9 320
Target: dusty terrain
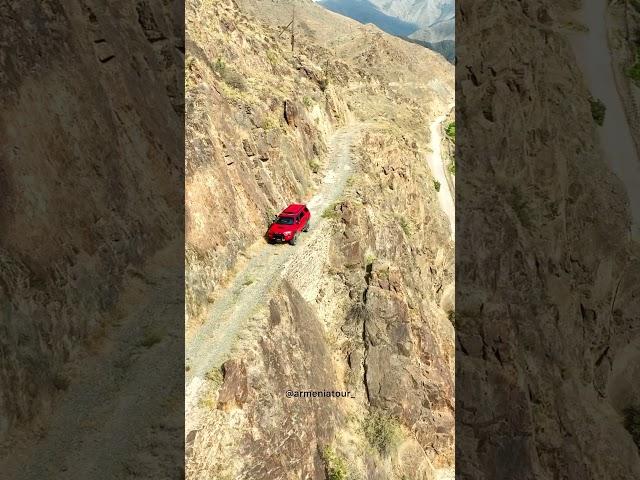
363 303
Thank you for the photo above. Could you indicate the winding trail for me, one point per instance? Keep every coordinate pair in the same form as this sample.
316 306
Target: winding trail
250 288
594 58
437 166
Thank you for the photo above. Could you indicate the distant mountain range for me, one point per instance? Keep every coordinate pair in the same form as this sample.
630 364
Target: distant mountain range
430 23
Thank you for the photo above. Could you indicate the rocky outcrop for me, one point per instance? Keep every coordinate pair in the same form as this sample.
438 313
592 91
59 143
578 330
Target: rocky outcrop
404 266
272 435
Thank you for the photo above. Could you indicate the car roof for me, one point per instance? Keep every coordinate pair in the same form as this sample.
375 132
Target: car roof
292 209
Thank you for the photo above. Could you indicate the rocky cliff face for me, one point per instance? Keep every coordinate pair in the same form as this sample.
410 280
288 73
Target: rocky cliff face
63 257
565 275
256 133
366 304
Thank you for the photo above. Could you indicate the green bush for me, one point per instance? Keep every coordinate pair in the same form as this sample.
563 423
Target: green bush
452 167
633 72
381 431
632 423
314 165
451 131
598 110
436 185
219 66
335 467
330 212
215 376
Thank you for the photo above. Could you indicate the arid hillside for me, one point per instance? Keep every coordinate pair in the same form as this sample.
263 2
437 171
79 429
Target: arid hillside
547 327
364 302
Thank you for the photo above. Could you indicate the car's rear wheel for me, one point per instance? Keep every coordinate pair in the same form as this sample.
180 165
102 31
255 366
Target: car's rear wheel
306 227
294 239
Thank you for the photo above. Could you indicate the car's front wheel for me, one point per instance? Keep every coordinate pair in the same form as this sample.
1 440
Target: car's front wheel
306 227
294 239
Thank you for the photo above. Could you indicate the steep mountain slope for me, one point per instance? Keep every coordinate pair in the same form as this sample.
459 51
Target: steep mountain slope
362 303
552 317
82 217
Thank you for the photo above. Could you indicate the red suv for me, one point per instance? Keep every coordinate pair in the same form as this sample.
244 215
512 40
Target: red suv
288 225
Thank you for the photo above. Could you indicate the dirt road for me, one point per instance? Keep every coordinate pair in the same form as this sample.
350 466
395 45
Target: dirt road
437 166
208 346
616 142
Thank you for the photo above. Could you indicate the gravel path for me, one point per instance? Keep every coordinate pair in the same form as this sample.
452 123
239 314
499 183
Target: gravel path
437 166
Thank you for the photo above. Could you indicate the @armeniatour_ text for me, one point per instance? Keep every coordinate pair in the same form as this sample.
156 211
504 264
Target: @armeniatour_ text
319 394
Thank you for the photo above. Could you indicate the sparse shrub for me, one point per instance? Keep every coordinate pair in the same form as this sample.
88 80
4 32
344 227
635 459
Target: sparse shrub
436 185
272 57
209 400
452 167
450 130
189 62
214 376
632 423
323 83
381 431
269 123
314 165
235 80
330 212
219 66
405 226
633 72
248 281
598 110
308 102
335 466
369 258
575 26
150 338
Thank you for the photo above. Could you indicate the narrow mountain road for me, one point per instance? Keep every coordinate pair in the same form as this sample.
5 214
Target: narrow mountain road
438 167
438 170
616 142
208 346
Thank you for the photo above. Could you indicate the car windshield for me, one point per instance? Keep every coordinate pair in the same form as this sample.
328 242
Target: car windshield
285 220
